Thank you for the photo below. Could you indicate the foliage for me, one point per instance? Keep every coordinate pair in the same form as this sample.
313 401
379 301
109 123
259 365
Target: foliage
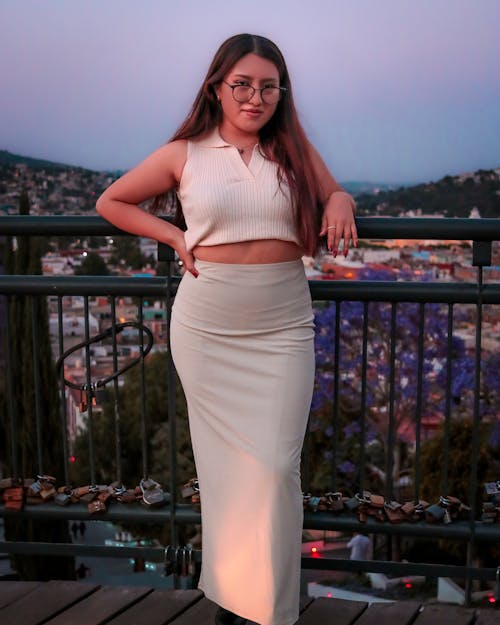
460 445
157 440
25 316
92 265
458 484
408 398
96 242
30 360
452 196
126 251
130 426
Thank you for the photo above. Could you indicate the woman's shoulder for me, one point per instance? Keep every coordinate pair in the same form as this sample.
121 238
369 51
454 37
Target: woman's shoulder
182 147
169 159
209 139
179 151
176 148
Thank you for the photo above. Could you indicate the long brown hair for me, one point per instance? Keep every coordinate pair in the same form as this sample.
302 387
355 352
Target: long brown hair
282 139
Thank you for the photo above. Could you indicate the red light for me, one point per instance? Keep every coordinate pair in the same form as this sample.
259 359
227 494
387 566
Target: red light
408 585
329 595
492 599
72 458
315 552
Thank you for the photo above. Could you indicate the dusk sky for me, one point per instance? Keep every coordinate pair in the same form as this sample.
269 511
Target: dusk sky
395 91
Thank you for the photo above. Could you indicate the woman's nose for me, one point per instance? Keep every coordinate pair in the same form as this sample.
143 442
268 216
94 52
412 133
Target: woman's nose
256 97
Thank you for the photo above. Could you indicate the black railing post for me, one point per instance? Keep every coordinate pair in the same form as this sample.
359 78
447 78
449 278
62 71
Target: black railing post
144 427
116 398
481 257
362 429
419 402
392 435
36 383
88 394
11 404
166 254
447 409
62 393
336 403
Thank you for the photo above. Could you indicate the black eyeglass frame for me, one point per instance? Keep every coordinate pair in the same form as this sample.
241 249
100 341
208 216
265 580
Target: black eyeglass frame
282 92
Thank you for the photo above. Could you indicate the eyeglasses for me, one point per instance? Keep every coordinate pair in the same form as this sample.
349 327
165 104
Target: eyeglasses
244 93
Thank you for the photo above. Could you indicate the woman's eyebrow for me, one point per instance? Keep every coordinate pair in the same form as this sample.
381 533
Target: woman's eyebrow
250 78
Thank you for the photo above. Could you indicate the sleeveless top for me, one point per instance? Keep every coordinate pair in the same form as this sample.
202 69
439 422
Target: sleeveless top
226 201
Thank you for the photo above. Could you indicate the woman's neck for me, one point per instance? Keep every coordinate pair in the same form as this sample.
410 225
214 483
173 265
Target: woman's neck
239 139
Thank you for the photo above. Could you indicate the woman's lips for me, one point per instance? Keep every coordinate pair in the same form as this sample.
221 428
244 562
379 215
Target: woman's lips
252 112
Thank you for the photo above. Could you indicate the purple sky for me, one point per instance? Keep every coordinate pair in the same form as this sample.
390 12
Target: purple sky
388 90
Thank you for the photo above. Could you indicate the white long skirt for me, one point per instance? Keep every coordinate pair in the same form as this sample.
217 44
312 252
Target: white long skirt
242 343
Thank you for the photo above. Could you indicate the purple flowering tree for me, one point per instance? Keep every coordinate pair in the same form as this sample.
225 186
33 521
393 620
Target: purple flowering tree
411 386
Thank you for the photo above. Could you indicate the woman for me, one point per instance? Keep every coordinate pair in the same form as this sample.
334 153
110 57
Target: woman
255 196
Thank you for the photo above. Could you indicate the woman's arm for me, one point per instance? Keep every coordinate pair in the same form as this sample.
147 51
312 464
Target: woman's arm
339 208
158 173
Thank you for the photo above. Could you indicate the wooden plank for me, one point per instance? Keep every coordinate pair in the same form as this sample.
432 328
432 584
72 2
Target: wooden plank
100 606
158 608
487 617
305 601
397 613
331 612
44 602
201 613
445 614
11 591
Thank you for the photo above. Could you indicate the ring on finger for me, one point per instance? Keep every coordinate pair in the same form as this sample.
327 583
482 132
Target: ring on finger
331 227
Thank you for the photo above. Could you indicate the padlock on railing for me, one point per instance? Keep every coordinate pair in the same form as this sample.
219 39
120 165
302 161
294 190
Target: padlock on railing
179 562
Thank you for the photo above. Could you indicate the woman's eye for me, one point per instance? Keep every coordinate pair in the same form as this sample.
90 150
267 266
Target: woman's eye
241 83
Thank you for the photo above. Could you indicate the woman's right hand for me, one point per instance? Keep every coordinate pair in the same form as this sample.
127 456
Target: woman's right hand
185 257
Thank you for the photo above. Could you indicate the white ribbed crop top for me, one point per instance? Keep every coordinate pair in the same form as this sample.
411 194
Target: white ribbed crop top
226 201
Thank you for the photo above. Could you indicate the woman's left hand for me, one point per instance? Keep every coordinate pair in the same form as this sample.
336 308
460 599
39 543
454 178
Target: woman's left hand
338 222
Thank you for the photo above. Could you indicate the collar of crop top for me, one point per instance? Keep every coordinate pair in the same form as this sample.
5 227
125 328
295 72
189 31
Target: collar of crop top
214 140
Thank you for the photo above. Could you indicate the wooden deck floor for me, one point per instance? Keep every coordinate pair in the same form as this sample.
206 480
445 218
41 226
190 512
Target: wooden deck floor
77 603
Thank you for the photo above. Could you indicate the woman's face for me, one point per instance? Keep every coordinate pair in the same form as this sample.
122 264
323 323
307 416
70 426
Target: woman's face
247 117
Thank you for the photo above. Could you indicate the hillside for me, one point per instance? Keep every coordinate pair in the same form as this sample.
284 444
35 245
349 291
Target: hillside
56 188
7 158
53 188
452 196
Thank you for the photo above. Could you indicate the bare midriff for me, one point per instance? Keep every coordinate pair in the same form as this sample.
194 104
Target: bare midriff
250 252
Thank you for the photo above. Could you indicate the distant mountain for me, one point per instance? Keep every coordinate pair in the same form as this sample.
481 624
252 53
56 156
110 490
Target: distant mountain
357 188
452 196
7 158
53 188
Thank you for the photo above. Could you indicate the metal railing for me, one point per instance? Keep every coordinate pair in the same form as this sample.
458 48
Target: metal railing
394 295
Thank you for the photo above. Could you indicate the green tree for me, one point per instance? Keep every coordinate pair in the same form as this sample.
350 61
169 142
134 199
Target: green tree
460 445
27 316
92 265
129 411
432 467
96 242
126 251
104 426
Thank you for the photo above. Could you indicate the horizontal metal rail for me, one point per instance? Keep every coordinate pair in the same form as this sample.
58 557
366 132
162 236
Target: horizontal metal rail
321 290
425 228
400 569
185 514
157 554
